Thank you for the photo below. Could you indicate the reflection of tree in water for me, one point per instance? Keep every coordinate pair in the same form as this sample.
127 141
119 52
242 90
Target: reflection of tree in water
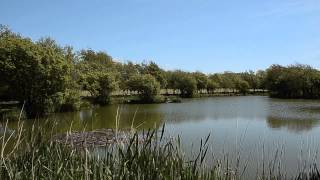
98 118
128 115
292 125
312 109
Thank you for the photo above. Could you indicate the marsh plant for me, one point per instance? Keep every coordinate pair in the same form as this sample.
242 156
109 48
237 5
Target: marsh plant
146 155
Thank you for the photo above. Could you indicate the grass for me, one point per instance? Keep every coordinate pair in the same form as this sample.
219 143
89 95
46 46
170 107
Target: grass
36 157
33 155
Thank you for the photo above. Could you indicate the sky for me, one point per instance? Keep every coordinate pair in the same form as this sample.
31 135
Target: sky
192 35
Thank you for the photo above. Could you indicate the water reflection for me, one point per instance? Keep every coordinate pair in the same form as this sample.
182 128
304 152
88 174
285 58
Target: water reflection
287 115
86 115
249 121
105 117
217 109
292 125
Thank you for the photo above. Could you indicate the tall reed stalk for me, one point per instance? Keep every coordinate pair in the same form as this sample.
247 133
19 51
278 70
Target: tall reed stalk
146 155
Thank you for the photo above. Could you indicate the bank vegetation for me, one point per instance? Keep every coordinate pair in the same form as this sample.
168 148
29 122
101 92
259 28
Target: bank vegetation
45 77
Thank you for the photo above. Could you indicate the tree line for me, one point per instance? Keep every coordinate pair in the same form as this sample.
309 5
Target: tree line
294 81
46 77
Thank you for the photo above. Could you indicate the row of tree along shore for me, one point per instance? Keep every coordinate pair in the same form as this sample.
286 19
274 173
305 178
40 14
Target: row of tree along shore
177 92
46 77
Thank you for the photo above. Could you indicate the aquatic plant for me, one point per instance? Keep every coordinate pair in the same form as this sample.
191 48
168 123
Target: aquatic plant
34 155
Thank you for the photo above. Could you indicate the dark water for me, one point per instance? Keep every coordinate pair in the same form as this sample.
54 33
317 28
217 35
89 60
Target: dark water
257 129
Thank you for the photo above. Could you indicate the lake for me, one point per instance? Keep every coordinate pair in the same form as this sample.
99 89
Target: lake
261 131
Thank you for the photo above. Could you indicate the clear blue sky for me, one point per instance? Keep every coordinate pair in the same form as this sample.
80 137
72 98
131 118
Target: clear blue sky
205 35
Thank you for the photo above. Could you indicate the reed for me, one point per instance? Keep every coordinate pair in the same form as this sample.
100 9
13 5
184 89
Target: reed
35 156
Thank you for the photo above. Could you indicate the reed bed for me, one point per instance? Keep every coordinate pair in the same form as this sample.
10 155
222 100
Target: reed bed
34 155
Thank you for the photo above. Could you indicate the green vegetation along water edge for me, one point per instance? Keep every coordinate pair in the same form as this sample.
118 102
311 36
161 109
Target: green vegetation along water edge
45 77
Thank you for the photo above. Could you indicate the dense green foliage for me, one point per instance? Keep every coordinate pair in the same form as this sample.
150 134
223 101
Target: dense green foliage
153 69
296 81
146 85
96 75
184 82
48 78
36 74
201 79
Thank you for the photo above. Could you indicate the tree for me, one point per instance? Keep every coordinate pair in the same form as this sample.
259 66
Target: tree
99 84
212 85
183 81
251 78
153 69
242 86
201 79
126 71
295 81
36 74
225 80
100 57
97 75
261 76
147 86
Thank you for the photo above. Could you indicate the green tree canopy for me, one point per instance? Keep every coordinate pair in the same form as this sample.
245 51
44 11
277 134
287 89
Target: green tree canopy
251 78
183 81
147 86
153 69
98 75
242 86
212 85
201 79
37 74
295 81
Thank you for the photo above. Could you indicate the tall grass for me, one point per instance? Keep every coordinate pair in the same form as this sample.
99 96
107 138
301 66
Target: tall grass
146 155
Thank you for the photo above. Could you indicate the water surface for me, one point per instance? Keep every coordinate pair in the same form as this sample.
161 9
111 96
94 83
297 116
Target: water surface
257 129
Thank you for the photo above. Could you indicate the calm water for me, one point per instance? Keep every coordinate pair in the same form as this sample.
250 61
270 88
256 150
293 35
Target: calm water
258 129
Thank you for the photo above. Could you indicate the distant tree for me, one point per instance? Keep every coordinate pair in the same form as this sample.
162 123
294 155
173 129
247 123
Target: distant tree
225 80
212 85
184 82
242 86
261 76
100 58
147 86
201 79
98 75
126 71
295 81
217 78
47 42
153 69
251 78
99 84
